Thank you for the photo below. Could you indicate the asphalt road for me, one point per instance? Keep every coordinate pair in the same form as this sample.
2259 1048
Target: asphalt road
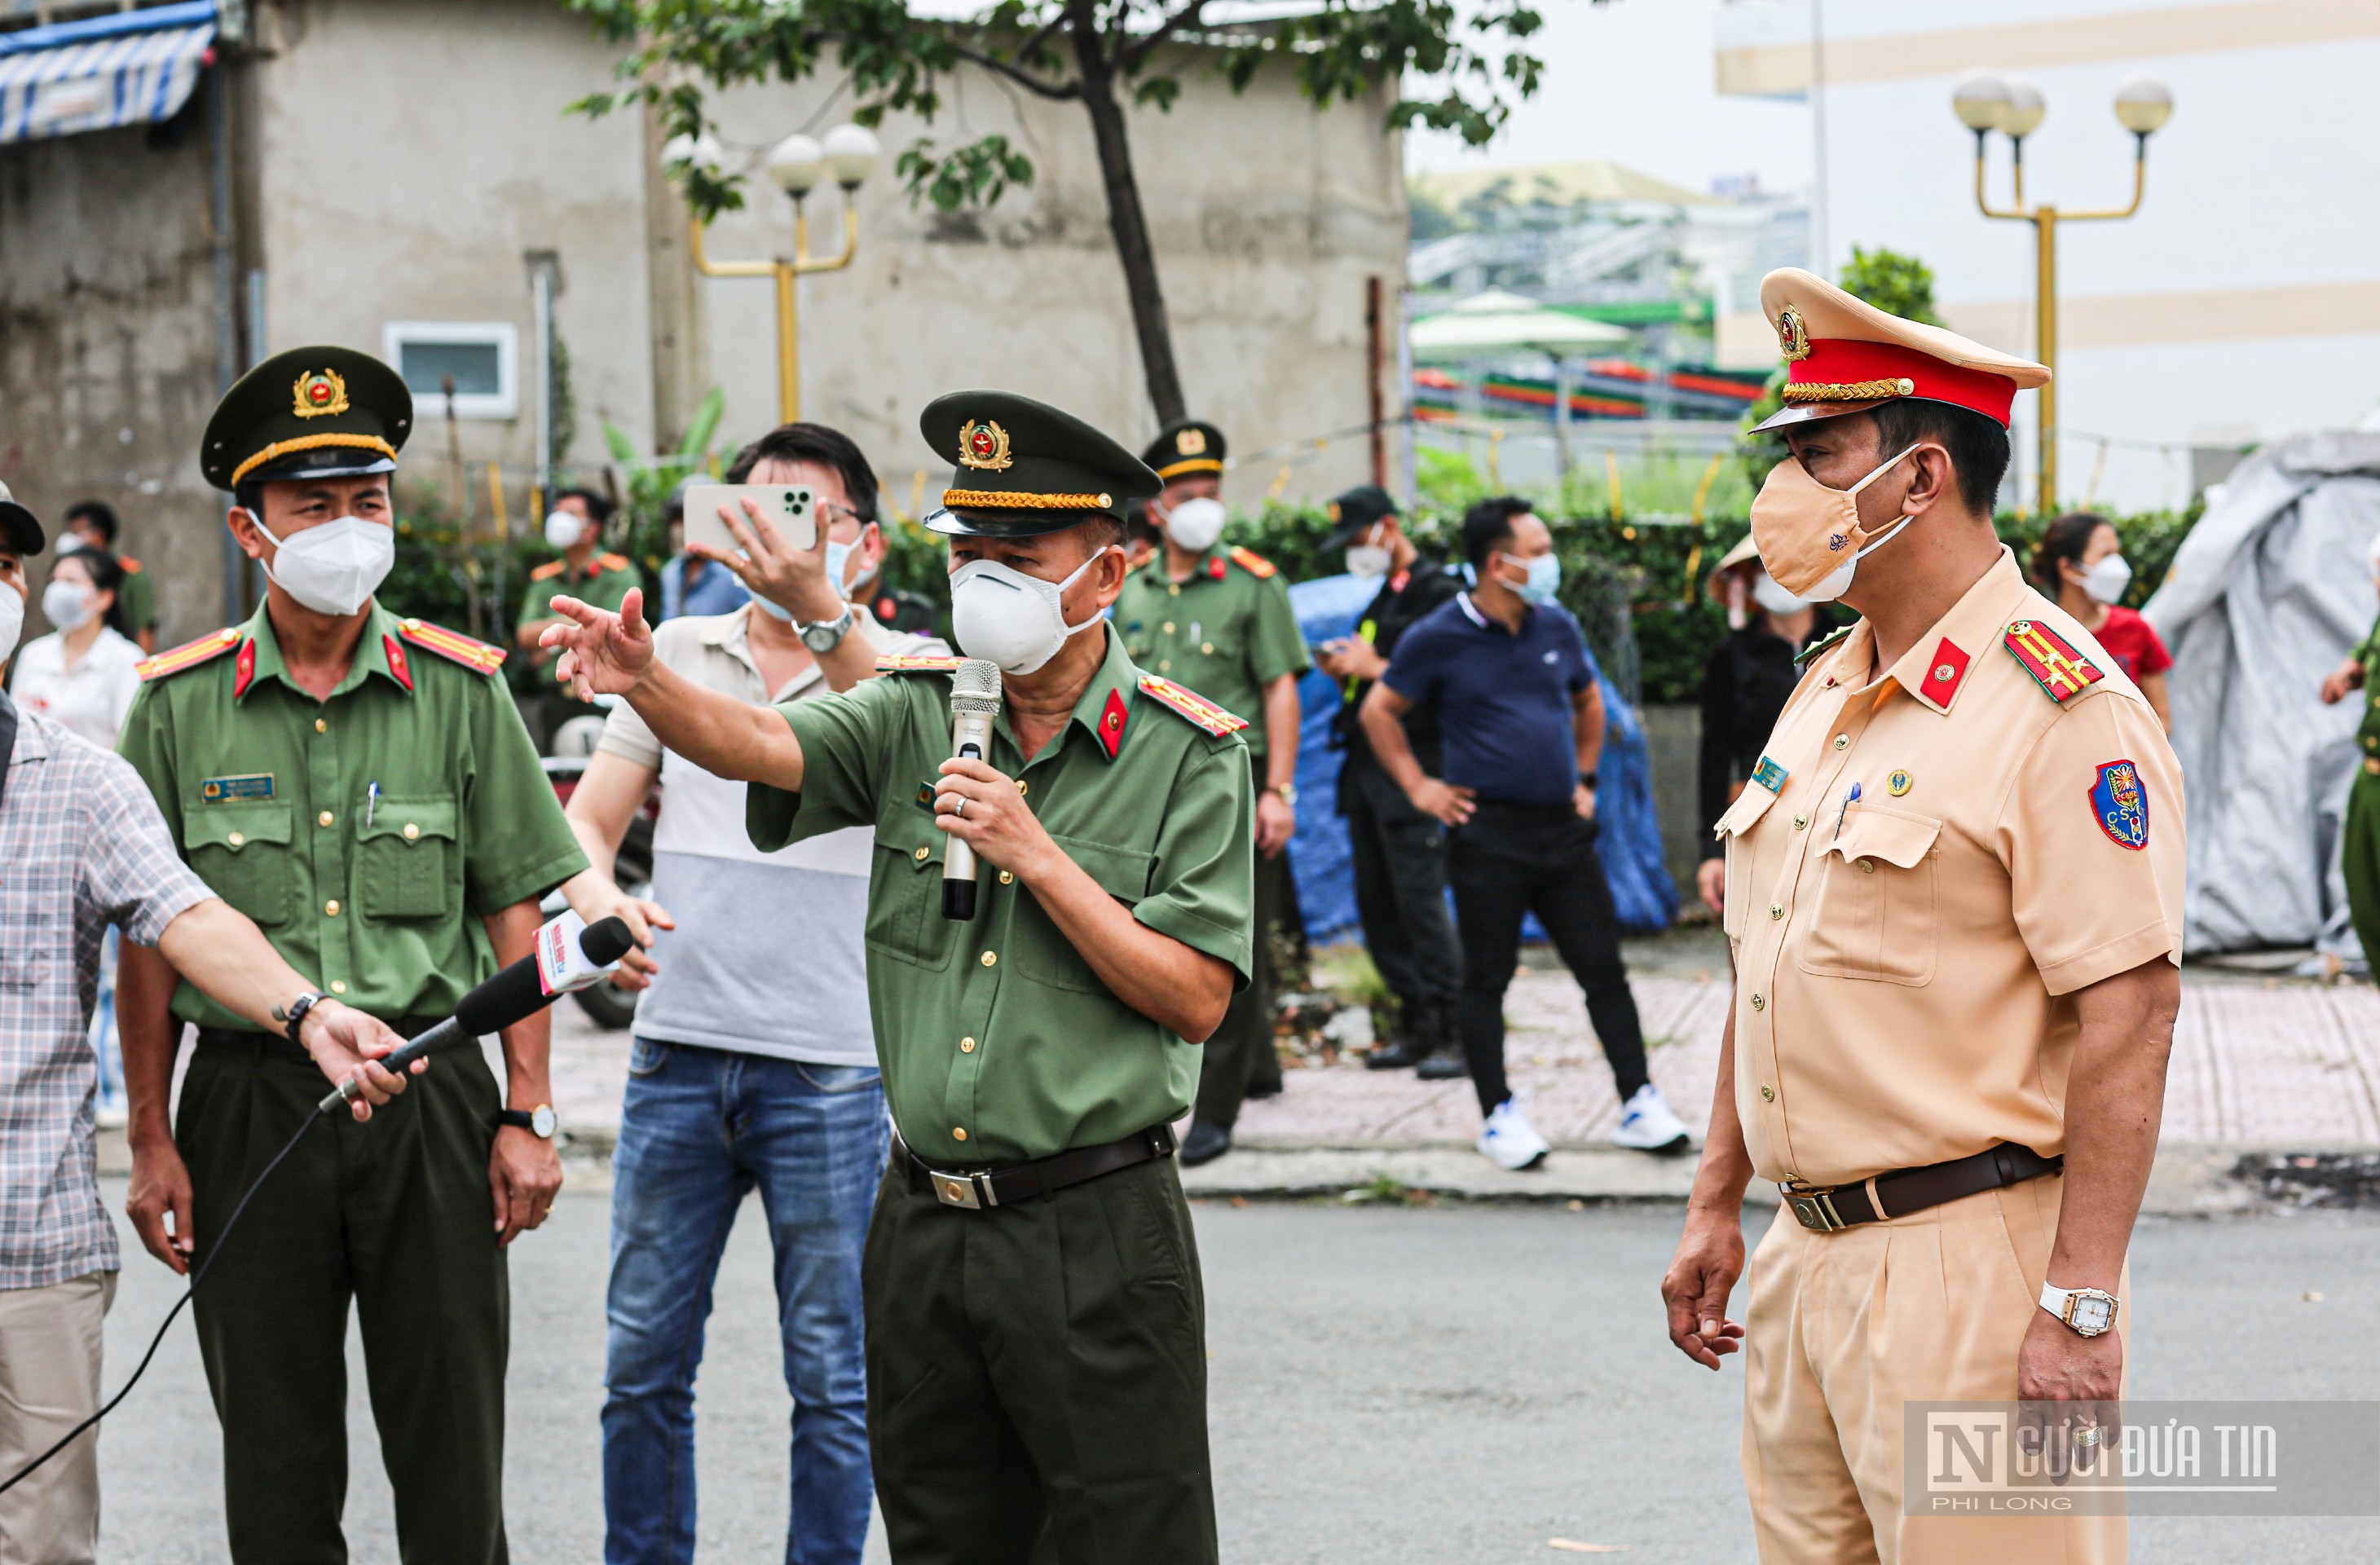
1390 1387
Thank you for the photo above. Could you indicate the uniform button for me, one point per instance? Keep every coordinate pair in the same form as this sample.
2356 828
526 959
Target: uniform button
1800 821
1776 910
1758 1003
1768 1095
966 1046
1843 740
924 854
235 839
1165 666
959 1135
331 908
338 986
1207 648
1174 589
1007 878
1169 627
323 819
412 830
320 727
991 958
1023 787
1867 866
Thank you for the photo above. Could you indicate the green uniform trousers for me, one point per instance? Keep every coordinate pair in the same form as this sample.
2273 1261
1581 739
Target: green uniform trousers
395 1214
2362 856
1242 1053
1037 1376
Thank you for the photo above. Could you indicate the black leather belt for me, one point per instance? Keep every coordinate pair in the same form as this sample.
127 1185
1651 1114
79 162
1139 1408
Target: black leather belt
274 1045
982 1188
1830 1209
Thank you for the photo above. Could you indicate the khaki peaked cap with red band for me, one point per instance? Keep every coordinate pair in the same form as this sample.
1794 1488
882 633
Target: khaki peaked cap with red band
1843 355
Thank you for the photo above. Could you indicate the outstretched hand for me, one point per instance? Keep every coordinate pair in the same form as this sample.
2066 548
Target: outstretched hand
602 653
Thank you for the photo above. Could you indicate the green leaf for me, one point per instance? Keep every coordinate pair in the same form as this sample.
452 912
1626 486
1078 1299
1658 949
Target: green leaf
705 425
616 438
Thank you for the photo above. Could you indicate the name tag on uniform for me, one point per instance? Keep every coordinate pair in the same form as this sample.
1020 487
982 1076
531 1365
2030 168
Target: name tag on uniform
1770 775
255 785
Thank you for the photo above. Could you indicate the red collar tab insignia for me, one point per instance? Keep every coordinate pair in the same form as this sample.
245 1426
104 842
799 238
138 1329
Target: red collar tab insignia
1215 568
396 668
1253 563
1202 712
890 664
1942 678
1111 721
2061 671
243 668
453 646
2119 803
190 654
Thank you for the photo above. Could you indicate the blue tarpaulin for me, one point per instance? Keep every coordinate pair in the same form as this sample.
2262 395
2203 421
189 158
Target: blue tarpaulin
129 68
1630 839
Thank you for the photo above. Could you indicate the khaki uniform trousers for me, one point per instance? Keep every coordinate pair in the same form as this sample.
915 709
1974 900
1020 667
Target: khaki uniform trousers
1842 1330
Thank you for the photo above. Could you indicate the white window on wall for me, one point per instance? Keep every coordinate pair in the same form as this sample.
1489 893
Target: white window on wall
484 357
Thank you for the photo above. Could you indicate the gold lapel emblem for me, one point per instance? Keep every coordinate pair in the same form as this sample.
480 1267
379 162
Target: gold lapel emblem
1793 335
983 445
1191 443
321 391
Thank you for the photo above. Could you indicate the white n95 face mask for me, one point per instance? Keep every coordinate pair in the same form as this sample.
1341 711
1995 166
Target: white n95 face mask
2104 581
67 605
12 621
333 569
562 529
1195 524
1773 597
1016 621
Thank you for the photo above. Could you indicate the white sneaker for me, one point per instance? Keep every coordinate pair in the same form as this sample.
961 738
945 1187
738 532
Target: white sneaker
1510 1141
1646 1125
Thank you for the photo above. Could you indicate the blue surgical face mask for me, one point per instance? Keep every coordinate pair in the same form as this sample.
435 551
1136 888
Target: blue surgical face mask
1545 577
838 555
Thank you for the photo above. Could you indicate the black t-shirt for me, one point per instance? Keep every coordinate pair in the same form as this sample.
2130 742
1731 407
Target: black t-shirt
1746 684
1402 600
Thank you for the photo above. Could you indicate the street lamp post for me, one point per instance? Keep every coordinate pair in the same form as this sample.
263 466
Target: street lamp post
1986 103
799 165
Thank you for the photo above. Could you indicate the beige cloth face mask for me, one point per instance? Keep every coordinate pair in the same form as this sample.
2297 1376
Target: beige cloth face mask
1809 536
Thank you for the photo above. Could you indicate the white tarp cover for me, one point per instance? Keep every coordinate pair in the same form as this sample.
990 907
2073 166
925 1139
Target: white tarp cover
134 68
2270 592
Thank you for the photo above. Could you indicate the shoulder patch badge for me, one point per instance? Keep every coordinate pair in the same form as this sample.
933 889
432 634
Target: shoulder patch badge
190 654
1256 564
2060 671
1200 712
1819 647
2120 802
452 645
888 663
1770 775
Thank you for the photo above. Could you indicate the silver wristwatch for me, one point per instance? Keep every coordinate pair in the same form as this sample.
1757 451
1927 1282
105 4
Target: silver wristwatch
2089 1311
826 634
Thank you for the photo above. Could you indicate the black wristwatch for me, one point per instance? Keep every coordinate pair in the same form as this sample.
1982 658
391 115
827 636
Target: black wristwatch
1588 779
538 1120
293 1015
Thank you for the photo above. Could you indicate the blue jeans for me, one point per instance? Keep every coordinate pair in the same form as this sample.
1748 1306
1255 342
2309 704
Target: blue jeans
701 1128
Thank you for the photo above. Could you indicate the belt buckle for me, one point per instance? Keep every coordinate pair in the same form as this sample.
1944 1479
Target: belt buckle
970 1192
1814 1206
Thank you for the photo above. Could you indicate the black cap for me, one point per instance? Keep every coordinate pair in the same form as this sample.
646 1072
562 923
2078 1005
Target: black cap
1355 511
312 412
1026 468
1184 447
23 530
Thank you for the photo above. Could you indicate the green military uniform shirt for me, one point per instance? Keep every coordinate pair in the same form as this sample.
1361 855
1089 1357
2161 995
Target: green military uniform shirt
996 1040
2367 736
1226 632
604 583
268 794
137 598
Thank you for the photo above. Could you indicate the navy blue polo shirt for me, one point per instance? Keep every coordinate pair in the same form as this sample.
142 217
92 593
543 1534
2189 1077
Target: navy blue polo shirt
1503 700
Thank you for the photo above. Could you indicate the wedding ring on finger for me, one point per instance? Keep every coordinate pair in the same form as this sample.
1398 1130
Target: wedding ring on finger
960 810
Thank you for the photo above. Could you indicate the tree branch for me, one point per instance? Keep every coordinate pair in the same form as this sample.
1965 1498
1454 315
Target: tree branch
1056 92
1129 55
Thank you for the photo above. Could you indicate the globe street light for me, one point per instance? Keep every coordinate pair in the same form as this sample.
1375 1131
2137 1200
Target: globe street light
798 165
1986 102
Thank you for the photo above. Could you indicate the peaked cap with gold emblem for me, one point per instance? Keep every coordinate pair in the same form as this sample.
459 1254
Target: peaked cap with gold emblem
1185 447
312 412
1024 467
1843 355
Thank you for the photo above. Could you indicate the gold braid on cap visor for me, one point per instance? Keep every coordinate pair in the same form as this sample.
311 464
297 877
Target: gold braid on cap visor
1019 500
281 448
1850 391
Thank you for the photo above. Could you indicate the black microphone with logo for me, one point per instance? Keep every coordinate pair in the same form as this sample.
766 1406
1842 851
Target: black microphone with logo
974 704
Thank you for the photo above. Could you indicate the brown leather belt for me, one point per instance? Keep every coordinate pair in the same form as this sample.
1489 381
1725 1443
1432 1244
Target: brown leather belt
1830 1209
978 1189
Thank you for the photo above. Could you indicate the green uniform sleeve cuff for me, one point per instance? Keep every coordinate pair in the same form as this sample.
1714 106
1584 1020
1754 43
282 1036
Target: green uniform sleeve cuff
1200 935
530 884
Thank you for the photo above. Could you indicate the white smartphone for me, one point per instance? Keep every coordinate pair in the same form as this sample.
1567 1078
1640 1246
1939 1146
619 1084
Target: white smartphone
792 507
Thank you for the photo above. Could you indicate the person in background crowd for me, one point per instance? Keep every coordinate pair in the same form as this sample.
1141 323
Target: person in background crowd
1398 854
93 523
748 1072
2361 849
691 585
1519 705
574 526
1217 621
1745 685
2081 565
1140 540
85 849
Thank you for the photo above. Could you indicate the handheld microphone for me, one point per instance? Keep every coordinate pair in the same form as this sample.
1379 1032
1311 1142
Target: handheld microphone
570 954
975 702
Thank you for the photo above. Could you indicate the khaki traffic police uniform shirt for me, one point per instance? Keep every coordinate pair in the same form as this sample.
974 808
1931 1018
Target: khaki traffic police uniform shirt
1907 962
1226 632
996 1040
267 792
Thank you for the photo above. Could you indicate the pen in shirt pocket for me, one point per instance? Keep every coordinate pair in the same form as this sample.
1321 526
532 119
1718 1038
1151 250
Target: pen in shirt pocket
1849 799
371 805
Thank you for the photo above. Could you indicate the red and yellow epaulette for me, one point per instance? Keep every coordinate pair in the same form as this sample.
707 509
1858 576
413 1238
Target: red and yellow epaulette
1253 563
1202 712
452 645
612 561
2061 671
190 654
131 566
548 570
888 663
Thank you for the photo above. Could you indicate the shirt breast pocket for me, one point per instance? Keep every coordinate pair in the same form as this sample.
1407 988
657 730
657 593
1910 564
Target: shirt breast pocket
242 850
1876 912
1043 953
406 860
1741 816
905 901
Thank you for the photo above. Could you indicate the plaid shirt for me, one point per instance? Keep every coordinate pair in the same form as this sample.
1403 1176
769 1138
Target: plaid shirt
82 847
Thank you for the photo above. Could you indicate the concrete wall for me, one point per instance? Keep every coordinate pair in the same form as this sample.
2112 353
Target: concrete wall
1673 736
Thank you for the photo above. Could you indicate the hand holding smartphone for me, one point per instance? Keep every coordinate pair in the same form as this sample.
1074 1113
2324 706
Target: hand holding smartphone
792 508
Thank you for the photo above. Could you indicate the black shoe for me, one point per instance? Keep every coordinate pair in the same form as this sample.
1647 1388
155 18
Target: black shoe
1446 1065
1397 1054
1419 1035
1268 1087
1204 1143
